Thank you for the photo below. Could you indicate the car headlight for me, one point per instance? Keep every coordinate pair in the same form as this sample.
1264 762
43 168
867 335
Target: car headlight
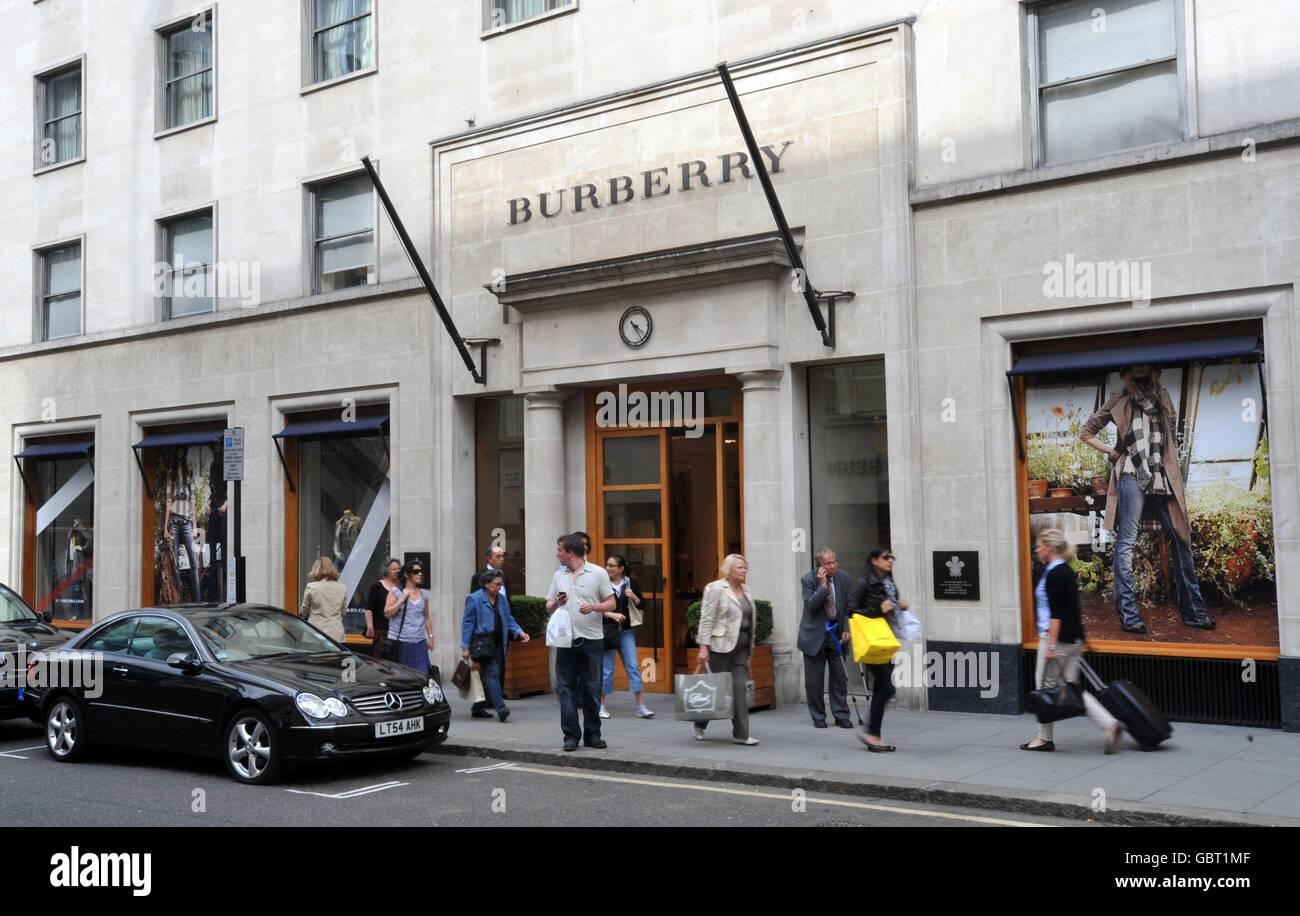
311 705
432 692
334 706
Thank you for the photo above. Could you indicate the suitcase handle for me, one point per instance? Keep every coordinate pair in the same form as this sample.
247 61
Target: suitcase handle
1094 681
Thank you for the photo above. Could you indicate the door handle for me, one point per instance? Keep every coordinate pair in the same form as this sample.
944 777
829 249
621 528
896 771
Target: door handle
119 670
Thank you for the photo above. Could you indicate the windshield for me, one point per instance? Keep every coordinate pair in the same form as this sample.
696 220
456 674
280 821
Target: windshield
14 609
239 635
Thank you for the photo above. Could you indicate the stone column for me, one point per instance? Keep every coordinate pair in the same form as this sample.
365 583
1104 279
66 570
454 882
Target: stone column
769 518
544 493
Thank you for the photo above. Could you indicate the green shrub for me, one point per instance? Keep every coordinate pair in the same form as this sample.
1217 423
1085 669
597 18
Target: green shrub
762 620
1232 529
530 612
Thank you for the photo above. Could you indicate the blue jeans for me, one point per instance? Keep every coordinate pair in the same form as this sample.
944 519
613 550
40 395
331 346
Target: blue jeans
577 675
627 650
1131 501
492 672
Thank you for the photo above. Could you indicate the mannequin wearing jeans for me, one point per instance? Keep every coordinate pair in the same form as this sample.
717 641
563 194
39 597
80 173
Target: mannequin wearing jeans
1132 502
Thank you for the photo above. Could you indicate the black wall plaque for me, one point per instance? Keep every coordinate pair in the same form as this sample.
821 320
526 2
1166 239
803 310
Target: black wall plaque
956 575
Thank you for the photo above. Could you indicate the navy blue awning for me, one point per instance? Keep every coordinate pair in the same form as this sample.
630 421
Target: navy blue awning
303 428
57 449
1156 354
193 437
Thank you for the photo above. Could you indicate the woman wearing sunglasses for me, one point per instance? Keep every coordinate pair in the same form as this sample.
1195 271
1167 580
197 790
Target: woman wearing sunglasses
875 595
409 623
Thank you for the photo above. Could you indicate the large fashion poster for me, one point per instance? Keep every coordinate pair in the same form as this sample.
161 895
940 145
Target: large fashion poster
189 525
1159 476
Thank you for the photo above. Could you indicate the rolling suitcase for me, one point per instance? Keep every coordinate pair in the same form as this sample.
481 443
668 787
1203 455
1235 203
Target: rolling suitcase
1126 702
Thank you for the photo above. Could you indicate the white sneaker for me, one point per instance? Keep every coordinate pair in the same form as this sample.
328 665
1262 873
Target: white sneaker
698 730
748 742
644 712
604 713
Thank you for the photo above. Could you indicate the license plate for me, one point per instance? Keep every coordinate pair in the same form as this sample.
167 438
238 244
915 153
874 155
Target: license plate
399 727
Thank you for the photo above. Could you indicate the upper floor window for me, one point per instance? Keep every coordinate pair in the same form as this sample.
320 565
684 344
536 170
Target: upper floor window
1108 78
189 286
343 236
187 71
342 37
505 12
59 104
61 291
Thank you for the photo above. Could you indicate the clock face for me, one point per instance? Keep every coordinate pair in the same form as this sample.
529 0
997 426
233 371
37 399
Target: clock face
635 326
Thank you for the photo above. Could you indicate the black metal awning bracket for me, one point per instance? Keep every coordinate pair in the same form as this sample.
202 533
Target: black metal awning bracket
279 450
811 296
30 498
1015 416
480 374
143 478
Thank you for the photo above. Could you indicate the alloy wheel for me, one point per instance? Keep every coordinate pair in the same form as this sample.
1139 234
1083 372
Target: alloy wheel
249 748
62 729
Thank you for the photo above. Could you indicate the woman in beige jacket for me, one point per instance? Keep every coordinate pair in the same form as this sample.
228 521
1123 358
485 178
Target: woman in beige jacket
726 636
325 599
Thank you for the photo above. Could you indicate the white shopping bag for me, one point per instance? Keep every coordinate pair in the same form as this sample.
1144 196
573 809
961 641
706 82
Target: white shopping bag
905 624
559 629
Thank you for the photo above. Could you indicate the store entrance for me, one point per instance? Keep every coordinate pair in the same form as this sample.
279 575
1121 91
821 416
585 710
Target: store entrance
669 500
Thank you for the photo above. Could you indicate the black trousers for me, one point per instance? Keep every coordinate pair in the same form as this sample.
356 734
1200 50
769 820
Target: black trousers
814 680
882 690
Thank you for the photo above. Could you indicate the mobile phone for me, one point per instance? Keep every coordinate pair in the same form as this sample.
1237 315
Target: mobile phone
562 598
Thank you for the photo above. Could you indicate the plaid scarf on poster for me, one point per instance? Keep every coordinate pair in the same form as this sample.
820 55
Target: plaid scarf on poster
1145 445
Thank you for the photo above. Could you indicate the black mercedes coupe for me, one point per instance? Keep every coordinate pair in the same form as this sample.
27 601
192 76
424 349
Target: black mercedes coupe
252 685
23 634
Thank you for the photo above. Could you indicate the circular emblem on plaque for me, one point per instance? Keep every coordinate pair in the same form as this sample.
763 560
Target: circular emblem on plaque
635 326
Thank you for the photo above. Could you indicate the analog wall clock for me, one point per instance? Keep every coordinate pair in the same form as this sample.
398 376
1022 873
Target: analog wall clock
635 326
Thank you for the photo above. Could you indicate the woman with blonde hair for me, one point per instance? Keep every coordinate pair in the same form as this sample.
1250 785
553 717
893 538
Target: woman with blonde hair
726 635
324 599
1061 639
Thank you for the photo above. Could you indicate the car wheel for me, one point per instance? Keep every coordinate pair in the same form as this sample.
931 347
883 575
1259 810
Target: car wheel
65 729
252 752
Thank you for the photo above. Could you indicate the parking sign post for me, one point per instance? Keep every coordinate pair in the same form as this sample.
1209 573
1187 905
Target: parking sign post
232 464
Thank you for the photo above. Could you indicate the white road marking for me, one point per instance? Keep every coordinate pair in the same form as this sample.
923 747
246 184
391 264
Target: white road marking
14 752
785 798
351 793
495 766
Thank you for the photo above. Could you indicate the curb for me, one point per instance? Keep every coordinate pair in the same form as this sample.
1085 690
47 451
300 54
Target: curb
1047 804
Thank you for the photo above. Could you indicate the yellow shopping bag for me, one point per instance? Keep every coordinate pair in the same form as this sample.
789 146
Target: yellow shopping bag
874 642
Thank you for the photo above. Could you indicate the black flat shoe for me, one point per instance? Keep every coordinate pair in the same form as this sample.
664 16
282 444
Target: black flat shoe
1140 628
570 744
503 715
1045 746
881 748
844 724
819 725
1207 625
479 714
597 744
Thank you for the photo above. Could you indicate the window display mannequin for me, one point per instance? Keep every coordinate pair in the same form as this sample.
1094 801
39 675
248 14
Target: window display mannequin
178 525
79 551
346 531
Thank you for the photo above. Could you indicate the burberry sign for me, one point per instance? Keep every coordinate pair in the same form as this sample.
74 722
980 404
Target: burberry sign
657 182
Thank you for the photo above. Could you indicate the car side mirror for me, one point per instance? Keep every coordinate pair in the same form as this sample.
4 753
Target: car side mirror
185 661
46 616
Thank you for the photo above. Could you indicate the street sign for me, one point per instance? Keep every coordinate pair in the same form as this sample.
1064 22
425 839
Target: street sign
232 454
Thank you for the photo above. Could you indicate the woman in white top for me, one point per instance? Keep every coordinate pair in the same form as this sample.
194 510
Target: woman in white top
409 623
324 599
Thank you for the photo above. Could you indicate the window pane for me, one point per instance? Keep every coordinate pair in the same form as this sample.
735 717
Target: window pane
347 263
63 270
65 549
1075 42
157 638
644 564
848 455
190 240
718 401
63 316
191 292
339 480
188 51
344 49
189 99
343 207
329 12
631 460
189 525
1121 111
499 484
507 11
633 514
63 95
116 638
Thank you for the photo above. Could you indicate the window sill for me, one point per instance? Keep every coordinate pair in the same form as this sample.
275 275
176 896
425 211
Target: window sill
1177 150
345 78
181 128
59 165
531 20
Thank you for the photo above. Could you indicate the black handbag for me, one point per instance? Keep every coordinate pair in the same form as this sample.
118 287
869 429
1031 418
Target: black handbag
482 647
385 647
1052 704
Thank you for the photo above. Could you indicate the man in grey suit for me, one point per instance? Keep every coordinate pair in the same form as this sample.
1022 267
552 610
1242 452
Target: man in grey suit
824 628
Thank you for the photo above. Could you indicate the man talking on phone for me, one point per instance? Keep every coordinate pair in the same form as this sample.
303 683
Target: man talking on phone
583 592
823 628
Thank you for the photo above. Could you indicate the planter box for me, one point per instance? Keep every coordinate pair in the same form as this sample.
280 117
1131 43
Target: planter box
763 673
527 669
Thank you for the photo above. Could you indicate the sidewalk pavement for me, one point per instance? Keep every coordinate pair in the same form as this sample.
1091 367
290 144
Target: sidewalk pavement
1205 775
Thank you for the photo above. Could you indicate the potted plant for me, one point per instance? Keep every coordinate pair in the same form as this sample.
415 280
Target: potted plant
527 663
760 658
1037 465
